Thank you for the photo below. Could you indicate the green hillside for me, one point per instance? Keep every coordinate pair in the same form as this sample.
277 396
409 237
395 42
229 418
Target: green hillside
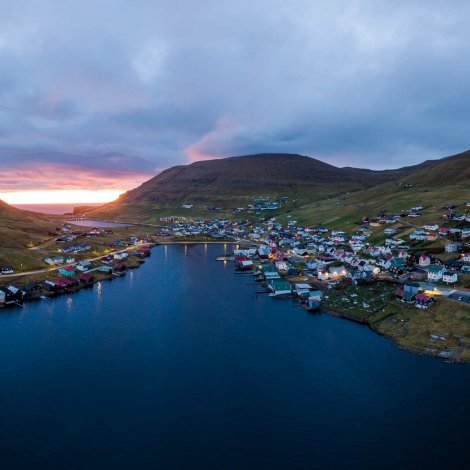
316 190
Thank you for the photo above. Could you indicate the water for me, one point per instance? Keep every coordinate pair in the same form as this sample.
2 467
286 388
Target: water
181 365
57 209
97 223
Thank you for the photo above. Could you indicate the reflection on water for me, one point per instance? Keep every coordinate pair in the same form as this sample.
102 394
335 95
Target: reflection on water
99 288
214 376
98 223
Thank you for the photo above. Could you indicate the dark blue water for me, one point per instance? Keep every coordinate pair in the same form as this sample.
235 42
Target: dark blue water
181 365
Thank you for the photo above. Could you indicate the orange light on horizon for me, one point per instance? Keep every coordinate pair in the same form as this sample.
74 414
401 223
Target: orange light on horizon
61 196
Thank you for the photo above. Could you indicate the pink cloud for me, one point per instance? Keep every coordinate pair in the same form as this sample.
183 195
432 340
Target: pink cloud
197 151
60 176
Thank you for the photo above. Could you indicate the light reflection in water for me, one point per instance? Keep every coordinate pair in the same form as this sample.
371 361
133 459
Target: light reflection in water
131 279
69 304
99 288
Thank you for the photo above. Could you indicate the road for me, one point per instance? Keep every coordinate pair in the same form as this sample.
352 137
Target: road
45 270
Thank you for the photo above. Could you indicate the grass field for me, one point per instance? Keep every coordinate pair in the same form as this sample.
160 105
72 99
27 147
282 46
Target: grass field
345 212
411 328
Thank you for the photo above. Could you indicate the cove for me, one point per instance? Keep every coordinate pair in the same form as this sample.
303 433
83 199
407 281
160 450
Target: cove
180 364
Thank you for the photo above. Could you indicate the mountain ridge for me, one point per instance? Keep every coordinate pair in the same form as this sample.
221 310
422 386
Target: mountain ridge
231 182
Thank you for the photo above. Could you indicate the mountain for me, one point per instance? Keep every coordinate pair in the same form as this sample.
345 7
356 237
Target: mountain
449 170
232 182
19 227
432 184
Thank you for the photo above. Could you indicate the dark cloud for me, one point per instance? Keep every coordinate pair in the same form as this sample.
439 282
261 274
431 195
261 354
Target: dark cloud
363 83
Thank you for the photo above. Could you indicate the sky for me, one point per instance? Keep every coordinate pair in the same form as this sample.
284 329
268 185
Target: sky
101 95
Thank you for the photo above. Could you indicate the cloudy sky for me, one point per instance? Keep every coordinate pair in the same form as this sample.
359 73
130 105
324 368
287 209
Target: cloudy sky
105 93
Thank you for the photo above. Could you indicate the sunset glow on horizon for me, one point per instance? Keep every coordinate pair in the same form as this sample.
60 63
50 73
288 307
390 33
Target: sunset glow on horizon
74 196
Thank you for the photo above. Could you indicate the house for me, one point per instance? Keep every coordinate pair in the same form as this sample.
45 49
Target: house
54 260
84 265
121 255
269 272
390 231
424 260
302 289
397 266
6 269
67 271
423 301
453 265
32 290
407 295
86 278
435 273
281 266
106 269
410 290
243 264
12 295
466 257
280 287
119 268
452 247
450 277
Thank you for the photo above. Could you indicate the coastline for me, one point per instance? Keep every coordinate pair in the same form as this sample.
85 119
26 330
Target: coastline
135 262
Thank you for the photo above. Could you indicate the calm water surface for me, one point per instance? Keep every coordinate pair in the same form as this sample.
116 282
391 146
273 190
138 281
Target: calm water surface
97 223
57 209
181 365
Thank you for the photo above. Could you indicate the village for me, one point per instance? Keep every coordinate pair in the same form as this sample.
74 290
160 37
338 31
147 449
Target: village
387 268
73 259
390 273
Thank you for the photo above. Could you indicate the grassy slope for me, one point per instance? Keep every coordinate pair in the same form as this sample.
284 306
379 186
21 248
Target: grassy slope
20 229
318 192
233 182
346 211
411 327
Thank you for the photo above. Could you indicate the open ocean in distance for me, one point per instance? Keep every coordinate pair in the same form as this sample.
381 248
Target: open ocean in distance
52 208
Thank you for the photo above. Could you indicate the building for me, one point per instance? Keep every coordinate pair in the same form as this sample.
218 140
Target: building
435 273
450 277
452 247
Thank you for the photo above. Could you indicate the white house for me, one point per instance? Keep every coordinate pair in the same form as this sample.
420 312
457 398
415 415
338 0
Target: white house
435 273
424 260
121 255
452 247
281 266
450 277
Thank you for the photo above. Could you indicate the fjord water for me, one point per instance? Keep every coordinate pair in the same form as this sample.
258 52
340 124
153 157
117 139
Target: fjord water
180 364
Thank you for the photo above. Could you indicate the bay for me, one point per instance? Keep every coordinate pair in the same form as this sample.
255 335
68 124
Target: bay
180 364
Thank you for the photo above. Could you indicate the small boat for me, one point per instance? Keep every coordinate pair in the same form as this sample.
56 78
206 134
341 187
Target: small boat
43 297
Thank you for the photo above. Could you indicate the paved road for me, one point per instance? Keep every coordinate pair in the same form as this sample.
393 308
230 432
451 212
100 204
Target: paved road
45 270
